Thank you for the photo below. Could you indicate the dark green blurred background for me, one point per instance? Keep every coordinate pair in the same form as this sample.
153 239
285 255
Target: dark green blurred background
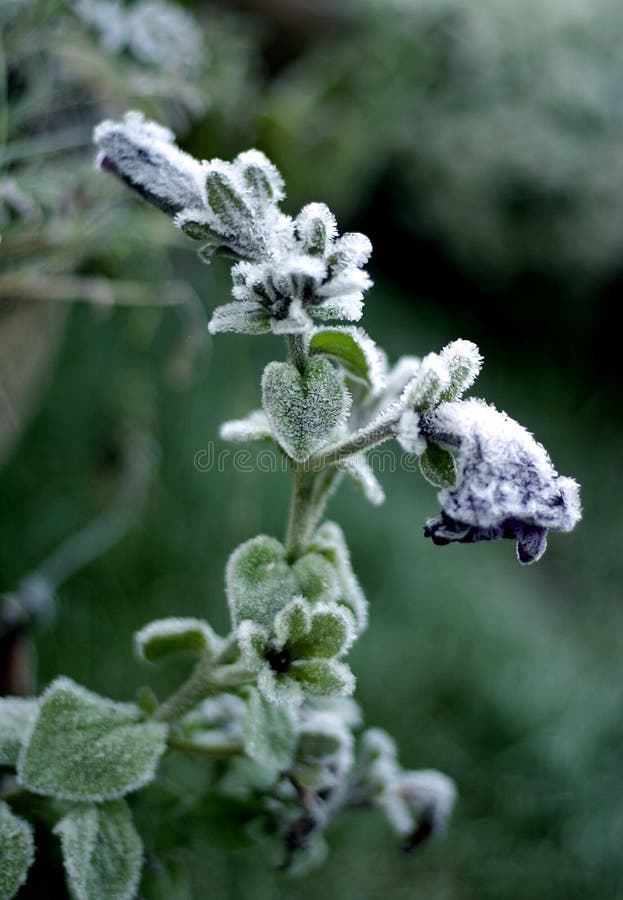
479 146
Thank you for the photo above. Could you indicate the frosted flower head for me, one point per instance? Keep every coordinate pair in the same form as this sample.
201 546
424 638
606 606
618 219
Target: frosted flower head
506 484
312 275
299 654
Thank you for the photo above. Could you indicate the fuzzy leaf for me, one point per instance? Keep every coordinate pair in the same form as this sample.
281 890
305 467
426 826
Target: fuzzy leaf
316 578
85 747
304 410
269 733
331 633
193 222
261 178
17 851
102 852
438 466
225 198
254 427
330 542
464 363
292 622
359 469
354 350
316 228
427 386
167 637
323 677
16 718
259 581
242 317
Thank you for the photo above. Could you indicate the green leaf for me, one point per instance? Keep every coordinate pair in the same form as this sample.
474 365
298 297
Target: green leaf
259 581
242 317
17 851
85 747
225 199
16 718
167 637
193 224
316 578
323 677
330 542
438 466
304 410
330 634
354 350
102 852
269 733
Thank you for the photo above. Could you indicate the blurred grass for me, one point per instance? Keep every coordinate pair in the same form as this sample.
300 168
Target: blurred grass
507 678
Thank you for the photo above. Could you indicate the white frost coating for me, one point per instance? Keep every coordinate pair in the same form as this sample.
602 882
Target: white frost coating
408 433
200 635
242 318
325 752
414 794
254 427
464 362
428 384
506 485
144 155
359 469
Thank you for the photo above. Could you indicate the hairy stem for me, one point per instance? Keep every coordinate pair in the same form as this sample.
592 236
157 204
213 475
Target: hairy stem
296 349
299 524
366 438
205 680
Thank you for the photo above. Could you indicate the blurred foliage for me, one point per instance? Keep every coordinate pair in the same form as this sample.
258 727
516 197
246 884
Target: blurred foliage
500 126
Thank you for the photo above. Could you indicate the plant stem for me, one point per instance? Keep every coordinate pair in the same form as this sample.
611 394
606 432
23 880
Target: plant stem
299 524
206 679
366 438
296 349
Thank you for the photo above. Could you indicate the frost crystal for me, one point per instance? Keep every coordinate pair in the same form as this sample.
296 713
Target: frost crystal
506 485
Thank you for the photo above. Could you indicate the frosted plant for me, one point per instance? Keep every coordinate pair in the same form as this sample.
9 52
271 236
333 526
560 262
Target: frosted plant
271 699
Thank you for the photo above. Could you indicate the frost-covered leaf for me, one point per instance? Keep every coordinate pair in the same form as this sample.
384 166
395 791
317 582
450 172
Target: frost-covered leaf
269 733
330 542
348 307
355 351
437 466
464 363
242 317
428 385
85 747
316 578
359 469
144 156
167 637
195 224
304 410
254 427
225 197
102 851
16 718
323 677
316 228
261 178
259 581
331 632
292 622
350 250
324 751
17 851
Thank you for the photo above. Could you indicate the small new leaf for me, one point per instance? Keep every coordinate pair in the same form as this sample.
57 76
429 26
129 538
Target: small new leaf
355 351
269 733
102 852
254 427
437 465
86 748
304 410
17 850
259 581
16 718
167 637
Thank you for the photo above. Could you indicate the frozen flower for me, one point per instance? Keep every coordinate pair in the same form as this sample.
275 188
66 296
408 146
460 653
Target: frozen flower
300 653
315 275
506 485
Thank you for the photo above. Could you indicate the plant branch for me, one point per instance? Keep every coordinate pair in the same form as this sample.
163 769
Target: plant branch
206 679
377 432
